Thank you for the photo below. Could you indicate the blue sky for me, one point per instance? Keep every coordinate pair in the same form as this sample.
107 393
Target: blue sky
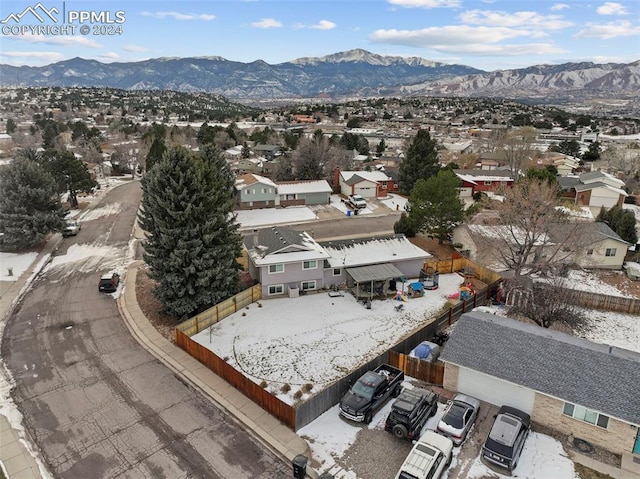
489 34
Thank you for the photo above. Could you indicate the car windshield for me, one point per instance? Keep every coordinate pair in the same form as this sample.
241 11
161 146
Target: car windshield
363 390
455 416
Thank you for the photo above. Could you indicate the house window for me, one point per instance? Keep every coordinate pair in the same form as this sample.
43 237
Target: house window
586 415
307 285
590 251
384 185
276 268
487 183
610 252
337 271
247 192
276 289
313 264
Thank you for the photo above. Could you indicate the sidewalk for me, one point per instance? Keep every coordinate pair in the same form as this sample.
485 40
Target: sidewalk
18 454
278 437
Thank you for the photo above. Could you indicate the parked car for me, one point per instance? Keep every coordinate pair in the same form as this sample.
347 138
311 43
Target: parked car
357 202
505 441
71 228
370 392
410 412
458 417
109 282
430 457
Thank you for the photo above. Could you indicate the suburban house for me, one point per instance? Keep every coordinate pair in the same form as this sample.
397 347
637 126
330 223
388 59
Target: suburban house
285 261
592 245
311 192
255 191
474 181
569 384
595 189
368 184
267 151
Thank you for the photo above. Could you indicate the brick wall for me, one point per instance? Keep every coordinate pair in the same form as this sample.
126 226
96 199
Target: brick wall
450 381
618 438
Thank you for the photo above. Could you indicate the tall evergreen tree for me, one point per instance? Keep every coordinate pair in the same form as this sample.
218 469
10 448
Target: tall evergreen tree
420 162
435 205
192 238
30 207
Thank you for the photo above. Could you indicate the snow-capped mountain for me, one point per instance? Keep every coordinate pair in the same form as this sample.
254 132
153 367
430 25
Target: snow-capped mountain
354 73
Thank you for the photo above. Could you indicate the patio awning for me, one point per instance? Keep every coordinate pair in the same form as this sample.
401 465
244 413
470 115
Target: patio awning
375 272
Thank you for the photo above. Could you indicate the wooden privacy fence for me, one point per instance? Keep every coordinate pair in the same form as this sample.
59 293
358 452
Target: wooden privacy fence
603 302
220 311
416 368
274 406
462 264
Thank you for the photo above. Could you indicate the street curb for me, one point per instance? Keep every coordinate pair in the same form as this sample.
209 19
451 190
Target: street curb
128 306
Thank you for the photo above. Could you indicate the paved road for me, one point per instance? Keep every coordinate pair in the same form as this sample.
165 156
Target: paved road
96 403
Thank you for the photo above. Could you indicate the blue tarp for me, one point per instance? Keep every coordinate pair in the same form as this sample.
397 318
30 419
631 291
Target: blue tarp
417 286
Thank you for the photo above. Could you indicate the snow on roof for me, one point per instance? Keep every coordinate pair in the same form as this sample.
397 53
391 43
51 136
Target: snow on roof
483 177
249 179
280 245
357 252
374 176
600 184
506 233
289 188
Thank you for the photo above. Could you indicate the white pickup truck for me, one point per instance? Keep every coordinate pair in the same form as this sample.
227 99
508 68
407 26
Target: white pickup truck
357 202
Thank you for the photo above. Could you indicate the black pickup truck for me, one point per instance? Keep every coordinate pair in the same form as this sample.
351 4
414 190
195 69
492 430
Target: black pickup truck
370 392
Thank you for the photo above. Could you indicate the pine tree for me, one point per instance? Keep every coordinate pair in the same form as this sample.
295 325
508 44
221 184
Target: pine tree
192 239
30 207
435 205
420 162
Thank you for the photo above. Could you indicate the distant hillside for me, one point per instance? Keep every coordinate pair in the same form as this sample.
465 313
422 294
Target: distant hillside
350 74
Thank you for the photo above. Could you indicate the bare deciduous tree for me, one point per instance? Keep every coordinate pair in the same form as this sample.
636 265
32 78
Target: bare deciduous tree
544 303
517 147
313 157
528 233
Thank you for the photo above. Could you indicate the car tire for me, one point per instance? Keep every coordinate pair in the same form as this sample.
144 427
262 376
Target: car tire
368 416
449 459
400 431
396 391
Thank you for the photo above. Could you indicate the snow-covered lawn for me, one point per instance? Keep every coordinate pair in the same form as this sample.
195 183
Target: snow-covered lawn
395 202
315 338
274 216
16 264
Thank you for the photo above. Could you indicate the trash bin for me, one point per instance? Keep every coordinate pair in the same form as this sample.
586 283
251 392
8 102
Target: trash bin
348 212
299 466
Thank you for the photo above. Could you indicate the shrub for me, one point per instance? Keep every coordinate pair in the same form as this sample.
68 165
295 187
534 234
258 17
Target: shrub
285 388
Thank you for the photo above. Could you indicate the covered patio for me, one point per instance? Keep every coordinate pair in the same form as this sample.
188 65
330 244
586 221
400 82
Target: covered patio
374 280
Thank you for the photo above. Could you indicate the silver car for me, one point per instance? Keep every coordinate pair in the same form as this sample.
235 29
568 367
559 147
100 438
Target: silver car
458 417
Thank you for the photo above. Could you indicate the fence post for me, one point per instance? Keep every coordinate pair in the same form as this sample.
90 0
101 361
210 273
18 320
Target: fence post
197 326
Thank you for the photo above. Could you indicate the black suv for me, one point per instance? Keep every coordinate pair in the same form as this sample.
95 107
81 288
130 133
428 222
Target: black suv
506 439
109 282
410 411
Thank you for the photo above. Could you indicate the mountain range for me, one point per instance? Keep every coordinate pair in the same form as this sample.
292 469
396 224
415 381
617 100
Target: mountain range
351 74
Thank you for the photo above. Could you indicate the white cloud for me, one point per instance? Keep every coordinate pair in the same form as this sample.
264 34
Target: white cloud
135 48
612 8
43 56
515 19
426 3
559 6
180 16
448 35
323 25
267 23
607 31
66 41
109 56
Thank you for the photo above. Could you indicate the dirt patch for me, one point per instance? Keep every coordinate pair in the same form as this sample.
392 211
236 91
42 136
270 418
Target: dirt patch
439 251
151 306
620 281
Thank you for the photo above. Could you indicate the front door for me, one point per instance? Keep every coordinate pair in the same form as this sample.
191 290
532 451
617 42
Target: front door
636 447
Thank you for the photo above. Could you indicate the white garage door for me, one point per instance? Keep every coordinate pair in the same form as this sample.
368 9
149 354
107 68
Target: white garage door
495 391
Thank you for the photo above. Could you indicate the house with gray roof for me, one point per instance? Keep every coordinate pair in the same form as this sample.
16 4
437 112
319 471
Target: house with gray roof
284 260
595 189
566 383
